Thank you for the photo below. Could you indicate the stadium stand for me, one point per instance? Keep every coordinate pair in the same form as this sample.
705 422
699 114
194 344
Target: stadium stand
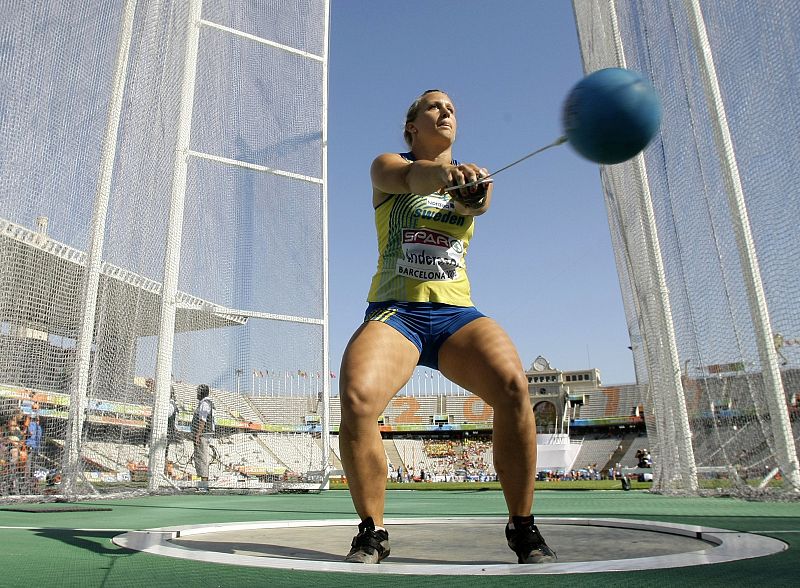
335 458
408 410
629 460
237 406
277 410
595 407
293 451
104 456
335 413
96 456
335 451
596 451
468 409
412 454
245 444
393 456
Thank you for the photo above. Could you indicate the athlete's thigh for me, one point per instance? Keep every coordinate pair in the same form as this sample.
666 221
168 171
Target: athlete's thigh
481 357
378 361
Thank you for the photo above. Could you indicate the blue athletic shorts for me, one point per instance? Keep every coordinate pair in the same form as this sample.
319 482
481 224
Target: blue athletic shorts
426 324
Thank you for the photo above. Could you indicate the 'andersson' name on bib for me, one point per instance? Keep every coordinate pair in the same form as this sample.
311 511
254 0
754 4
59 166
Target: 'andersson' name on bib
430 255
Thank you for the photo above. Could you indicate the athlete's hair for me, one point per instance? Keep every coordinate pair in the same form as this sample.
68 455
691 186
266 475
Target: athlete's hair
411 114
203 391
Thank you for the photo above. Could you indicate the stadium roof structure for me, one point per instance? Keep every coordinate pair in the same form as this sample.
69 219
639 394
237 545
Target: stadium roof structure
61 277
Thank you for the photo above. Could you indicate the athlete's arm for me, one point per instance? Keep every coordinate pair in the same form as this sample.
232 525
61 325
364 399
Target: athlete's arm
393 174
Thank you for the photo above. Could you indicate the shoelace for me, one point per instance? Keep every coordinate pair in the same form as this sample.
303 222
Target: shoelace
368 540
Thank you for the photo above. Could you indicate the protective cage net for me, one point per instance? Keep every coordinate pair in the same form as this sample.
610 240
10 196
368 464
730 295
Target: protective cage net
715 331
162 226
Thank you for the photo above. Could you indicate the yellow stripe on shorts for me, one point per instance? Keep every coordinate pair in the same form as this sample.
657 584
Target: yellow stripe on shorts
383 315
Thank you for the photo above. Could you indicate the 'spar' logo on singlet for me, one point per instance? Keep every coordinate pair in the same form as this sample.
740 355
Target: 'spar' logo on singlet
430 256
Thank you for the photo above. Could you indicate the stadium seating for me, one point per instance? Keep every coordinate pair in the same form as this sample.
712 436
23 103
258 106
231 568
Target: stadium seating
595 451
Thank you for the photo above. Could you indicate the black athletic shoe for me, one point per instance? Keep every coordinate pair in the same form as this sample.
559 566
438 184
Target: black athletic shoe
528 543
370 545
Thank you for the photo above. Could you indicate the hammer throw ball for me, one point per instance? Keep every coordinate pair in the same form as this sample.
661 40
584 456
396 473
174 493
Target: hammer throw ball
611 115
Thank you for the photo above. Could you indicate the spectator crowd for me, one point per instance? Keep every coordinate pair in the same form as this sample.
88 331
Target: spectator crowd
448 460
21 448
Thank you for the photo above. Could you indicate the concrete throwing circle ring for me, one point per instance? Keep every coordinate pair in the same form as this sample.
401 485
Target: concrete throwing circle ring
454 545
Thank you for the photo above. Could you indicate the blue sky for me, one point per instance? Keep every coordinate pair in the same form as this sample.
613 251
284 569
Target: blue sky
541 261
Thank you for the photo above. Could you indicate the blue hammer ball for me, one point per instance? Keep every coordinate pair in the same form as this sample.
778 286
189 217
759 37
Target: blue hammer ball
611 115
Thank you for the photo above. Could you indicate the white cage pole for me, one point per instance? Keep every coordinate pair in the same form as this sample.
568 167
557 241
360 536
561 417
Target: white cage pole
94 260
326 371
785 451
172 255
669 365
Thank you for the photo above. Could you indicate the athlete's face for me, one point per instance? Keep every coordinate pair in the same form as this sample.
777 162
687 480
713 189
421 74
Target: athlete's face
436 118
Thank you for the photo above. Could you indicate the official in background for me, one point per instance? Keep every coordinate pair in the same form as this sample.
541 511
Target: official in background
202 431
